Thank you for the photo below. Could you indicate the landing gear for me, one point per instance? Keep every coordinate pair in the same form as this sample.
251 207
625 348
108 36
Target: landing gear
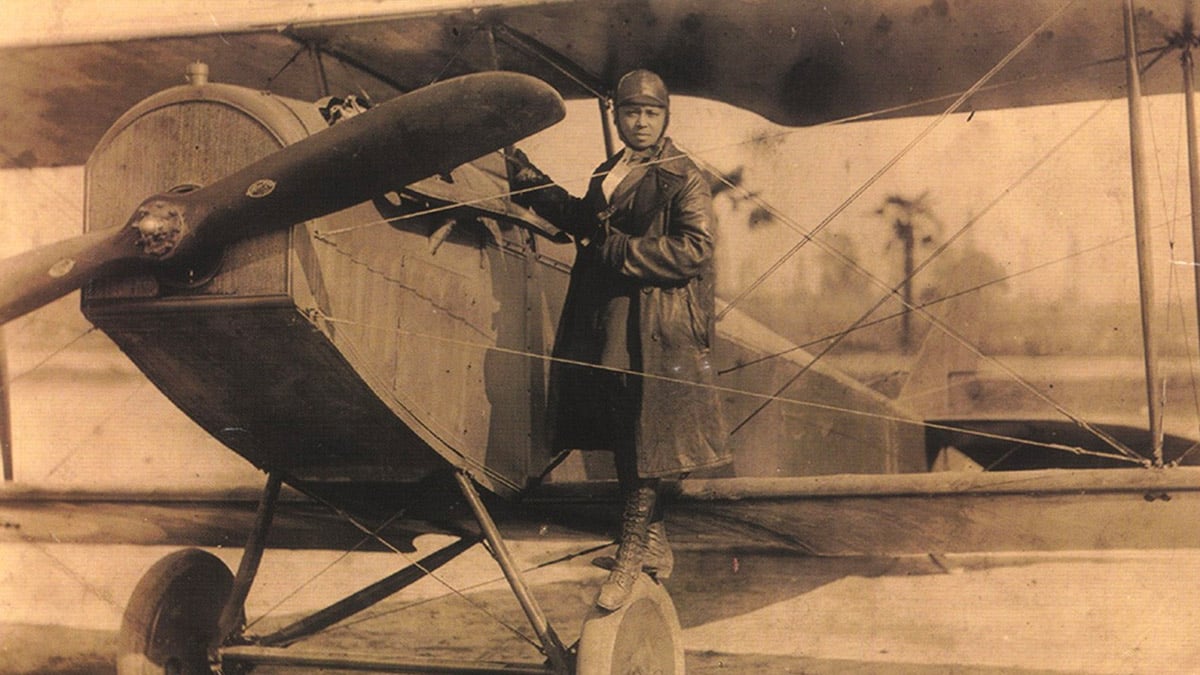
643 636
187 617
173 615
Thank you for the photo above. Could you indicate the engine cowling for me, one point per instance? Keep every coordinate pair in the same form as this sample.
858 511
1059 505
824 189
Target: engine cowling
347 349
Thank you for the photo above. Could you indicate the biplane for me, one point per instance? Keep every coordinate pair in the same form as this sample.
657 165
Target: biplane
345 295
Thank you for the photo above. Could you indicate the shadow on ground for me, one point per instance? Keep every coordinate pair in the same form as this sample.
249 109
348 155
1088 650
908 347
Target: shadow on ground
489 624
56 650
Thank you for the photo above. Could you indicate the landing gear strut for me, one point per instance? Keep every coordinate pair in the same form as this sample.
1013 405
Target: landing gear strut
187 617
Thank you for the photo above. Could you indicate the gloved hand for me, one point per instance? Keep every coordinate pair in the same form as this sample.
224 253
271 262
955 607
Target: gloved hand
523 174
593 236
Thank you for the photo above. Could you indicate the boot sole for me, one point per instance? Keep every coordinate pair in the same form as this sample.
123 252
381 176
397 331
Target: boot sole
607 563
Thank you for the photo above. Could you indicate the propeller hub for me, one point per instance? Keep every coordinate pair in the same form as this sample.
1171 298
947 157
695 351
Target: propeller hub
160 225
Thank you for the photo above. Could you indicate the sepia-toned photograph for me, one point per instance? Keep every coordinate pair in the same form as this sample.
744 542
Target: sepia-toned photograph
599 337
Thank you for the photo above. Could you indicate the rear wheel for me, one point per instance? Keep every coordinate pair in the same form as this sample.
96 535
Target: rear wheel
172 617
641 638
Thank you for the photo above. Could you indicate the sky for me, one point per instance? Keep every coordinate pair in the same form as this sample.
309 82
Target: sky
1027 202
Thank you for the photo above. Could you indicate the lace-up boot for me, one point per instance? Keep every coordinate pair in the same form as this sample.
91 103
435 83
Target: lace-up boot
635 523
659 560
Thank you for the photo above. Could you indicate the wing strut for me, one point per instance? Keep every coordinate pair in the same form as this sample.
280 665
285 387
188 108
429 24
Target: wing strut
1187 39
539 51
6 456
554 649
1141 223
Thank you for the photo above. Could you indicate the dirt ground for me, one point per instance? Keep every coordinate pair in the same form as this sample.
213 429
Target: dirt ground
1114 612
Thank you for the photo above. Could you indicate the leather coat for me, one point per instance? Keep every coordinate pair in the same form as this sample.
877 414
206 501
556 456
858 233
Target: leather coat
656 239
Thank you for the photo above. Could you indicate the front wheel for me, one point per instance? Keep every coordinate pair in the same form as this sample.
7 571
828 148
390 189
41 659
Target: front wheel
172 617
641 638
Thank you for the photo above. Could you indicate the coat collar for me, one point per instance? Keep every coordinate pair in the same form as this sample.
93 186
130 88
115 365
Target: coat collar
669 167
666 157
671 160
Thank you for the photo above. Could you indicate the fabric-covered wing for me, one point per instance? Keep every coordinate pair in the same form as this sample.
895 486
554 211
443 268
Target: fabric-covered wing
796 62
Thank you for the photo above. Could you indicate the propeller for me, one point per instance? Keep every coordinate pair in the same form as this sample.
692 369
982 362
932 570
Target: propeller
413 136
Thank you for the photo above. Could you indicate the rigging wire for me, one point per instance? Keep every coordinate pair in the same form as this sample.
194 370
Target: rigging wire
473 587
941 325
963 97
324 236
837 211
936 301
862 320
1188 344
61 207
123 404
870 115
808 237
287 64
308 582
1174 291
428 572
1172 276
50 357
532 47
321 317
353 74
454 57
100 593
1179 460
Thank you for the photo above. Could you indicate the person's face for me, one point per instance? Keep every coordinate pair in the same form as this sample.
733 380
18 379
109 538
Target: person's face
641 125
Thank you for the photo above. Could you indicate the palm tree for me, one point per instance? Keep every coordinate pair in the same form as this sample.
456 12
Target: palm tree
730 184
903 214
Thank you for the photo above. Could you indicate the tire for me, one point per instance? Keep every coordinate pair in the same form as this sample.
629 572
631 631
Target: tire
172 617
642 637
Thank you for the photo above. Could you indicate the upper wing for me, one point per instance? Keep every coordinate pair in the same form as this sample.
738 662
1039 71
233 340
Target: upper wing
68 73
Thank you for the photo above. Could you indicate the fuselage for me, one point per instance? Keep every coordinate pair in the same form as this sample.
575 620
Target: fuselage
380 343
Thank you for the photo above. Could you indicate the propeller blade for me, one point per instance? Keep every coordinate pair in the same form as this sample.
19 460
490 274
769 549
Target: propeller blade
33 278
413 136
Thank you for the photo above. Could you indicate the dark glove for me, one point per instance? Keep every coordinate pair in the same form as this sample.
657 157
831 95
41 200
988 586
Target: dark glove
592 235
522 172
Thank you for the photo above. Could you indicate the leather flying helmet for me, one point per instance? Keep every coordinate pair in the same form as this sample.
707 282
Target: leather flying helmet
642 87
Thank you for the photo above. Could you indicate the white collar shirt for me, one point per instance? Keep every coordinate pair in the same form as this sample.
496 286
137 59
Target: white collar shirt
629 159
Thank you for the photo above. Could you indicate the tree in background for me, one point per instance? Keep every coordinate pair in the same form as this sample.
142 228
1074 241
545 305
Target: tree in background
905 215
